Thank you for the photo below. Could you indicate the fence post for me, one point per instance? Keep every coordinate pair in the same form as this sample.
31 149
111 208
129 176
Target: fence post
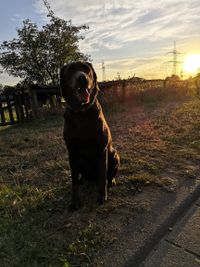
33 100
16 103
3 121
21 110
26 101
9 106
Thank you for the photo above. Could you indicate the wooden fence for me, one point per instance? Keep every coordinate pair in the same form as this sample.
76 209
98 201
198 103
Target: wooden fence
19 105
14 106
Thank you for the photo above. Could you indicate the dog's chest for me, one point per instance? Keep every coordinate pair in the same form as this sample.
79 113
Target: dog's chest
85 130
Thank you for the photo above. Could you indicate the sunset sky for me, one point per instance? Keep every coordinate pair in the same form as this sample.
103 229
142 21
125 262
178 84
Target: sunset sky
132 37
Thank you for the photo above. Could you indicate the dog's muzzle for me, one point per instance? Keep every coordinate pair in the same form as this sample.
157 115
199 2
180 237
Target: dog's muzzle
83 96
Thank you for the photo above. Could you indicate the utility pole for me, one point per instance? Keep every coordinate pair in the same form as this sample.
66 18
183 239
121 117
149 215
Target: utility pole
174 60
118 75
103 71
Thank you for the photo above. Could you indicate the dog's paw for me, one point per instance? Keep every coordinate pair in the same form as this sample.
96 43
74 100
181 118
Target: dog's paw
101 200
74 206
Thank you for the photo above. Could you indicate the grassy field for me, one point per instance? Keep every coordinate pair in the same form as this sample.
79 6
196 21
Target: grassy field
159 145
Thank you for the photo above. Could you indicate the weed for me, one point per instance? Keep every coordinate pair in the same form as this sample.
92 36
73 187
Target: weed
89 240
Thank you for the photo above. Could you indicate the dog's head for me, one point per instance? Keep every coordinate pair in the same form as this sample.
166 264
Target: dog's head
79 86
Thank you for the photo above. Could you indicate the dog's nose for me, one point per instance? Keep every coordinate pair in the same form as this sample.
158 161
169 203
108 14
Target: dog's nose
82 80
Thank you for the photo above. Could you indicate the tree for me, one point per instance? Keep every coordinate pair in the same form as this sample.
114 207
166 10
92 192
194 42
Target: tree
36 55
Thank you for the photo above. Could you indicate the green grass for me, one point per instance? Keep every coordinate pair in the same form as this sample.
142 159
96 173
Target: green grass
7 115
159 147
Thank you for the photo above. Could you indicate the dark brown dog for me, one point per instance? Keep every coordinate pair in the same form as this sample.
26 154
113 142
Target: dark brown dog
86 131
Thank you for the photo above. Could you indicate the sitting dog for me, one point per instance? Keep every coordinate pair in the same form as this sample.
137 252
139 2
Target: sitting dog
86 132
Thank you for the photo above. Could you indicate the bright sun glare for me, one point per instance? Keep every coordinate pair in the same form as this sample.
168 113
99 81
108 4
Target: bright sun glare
192 63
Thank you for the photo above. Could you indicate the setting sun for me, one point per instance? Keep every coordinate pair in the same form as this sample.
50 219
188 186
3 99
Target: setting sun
192 63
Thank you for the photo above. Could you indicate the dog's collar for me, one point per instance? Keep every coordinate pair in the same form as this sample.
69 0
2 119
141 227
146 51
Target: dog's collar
82 109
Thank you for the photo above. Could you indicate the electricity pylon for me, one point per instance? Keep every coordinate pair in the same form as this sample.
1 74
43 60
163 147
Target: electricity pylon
174 60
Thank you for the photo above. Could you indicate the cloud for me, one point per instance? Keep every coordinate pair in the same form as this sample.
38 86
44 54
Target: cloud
118 27
126 20
6 79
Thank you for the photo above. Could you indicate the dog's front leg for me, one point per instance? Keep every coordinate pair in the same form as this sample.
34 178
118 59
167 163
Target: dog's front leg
102 172
75 201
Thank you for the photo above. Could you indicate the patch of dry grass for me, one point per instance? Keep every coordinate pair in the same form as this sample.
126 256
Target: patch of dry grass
159 146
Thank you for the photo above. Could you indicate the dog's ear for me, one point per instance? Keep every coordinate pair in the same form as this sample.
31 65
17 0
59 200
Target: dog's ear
94 75
62 71
95 91
62 81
